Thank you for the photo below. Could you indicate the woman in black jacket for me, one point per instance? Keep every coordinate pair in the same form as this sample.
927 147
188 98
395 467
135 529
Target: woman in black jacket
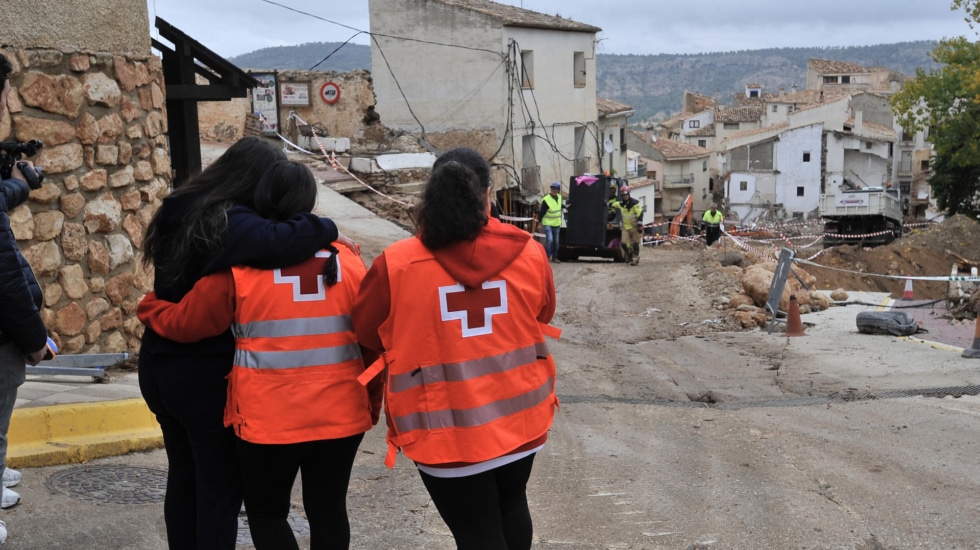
205 226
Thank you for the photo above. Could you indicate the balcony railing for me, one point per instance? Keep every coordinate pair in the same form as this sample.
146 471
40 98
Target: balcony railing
678 180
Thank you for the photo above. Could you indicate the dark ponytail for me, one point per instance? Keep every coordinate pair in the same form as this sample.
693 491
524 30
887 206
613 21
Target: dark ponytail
453 206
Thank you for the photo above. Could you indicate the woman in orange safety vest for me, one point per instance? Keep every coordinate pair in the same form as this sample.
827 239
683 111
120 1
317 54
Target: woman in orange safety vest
460 312
294 400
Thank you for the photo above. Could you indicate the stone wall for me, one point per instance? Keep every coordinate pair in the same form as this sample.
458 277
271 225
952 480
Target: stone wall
102 119
224 121
95 25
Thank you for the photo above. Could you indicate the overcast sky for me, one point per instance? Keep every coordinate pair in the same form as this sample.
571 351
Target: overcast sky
233 27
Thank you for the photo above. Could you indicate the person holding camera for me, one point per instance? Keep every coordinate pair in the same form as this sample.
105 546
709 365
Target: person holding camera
23 337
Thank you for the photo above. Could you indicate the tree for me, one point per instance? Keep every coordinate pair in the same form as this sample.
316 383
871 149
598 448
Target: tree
947 102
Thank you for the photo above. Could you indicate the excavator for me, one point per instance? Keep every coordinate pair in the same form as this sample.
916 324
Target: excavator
683 219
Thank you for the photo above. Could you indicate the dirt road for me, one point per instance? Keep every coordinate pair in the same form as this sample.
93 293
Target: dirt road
676 433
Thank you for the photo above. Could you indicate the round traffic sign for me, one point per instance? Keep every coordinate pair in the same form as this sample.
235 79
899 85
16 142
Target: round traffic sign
330 93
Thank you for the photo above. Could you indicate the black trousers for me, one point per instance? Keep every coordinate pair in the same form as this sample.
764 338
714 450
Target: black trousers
268 474
486 511
712 234
187 395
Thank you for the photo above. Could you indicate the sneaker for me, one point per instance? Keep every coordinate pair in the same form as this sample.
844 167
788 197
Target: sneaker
556 260
636 261
11 477
10 498
3 533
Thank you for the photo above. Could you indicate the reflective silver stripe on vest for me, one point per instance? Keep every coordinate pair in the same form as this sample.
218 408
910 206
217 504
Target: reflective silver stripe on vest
466 370
468 418
334 355
310 326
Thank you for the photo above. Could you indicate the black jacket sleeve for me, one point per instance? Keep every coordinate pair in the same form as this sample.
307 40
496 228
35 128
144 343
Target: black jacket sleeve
20 317
255 241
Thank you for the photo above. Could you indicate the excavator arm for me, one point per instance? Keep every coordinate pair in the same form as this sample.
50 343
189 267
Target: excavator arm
684 216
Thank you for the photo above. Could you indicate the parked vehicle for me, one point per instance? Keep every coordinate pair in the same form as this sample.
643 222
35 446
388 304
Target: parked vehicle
868 216
587 231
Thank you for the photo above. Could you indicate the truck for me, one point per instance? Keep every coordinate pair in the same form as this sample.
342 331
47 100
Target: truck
868 216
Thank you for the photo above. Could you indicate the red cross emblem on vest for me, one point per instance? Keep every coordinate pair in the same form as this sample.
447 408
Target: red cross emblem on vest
306 278
473 307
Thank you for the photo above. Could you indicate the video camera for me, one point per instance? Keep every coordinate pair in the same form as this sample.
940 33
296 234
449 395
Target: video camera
10 154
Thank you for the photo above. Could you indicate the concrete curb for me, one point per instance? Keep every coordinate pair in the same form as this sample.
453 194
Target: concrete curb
79 432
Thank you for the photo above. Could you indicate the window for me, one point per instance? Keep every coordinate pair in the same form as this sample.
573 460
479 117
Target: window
790 109
907 136
622 140
775 108
806 156
799 191
905 165
846 79
753 93
868 145
578 67
704 166
702 143
743 186
730 126
694 124
830 80
527 69
924 165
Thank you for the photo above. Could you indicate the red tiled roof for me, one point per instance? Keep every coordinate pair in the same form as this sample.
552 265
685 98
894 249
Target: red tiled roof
828 66
671 149
739 114
513 16
608 106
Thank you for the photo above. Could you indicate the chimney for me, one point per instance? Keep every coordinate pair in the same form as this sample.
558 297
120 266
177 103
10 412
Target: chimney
793 87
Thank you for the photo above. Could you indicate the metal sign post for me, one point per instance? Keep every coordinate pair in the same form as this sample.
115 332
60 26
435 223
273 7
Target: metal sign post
778 284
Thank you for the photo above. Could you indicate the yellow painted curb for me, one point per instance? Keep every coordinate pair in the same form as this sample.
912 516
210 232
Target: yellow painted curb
79 432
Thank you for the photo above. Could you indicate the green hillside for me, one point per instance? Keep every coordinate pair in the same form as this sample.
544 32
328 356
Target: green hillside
653 85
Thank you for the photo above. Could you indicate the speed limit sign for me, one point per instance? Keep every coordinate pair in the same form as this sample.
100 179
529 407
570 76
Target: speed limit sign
330 93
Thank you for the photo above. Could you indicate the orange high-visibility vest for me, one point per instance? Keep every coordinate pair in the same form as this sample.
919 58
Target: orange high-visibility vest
297 360
469 377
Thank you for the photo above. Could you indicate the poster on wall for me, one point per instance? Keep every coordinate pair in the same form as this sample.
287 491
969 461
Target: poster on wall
265 103
296 93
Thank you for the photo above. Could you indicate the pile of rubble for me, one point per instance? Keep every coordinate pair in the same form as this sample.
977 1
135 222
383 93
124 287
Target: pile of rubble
742 279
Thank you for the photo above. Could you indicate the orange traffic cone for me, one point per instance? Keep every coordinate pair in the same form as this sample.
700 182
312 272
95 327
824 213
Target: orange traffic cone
908 294
794 326
974 352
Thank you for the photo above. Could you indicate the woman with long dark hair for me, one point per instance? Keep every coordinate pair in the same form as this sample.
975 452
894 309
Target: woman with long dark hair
459 313
207 225
294 401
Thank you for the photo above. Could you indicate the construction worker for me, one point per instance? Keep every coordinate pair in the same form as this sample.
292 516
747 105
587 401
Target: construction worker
711 224
632 213
613 197
549 216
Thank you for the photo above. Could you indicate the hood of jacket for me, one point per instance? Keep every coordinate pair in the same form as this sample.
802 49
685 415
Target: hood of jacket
474 262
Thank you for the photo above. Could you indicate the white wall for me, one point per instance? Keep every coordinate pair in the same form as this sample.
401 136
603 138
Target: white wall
555 104
795 173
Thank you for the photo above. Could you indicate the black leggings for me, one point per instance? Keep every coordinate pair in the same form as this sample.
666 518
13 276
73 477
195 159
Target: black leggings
486 511
268 473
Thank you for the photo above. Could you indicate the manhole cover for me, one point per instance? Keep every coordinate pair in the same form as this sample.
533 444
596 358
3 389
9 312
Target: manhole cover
296 522
111 484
